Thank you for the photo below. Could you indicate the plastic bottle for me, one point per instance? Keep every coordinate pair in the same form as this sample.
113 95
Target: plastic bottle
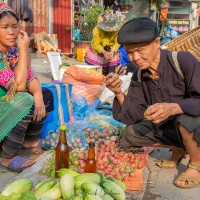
61 151
90 166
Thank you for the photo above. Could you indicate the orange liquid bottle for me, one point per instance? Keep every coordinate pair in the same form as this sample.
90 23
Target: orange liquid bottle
61 151
90 166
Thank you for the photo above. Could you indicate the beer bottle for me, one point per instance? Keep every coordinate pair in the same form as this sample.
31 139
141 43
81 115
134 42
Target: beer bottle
90 166
62 151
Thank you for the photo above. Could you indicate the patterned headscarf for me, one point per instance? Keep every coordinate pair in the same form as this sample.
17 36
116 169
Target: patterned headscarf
4 8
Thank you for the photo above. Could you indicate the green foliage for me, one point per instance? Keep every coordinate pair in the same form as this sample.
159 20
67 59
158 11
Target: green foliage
158 3
88 20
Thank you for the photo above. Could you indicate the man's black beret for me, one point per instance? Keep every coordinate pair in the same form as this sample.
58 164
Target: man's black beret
138 30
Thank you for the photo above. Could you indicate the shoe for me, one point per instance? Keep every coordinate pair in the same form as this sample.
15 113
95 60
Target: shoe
170 163
190 181
16 164
167 164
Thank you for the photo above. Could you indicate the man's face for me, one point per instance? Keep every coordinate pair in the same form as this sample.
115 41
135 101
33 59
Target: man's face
143 55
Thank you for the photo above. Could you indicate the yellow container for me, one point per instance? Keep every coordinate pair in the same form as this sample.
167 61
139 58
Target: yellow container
81 54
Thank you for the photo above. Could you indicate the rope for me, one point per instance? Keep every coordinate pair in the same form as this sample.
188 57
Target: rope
60 109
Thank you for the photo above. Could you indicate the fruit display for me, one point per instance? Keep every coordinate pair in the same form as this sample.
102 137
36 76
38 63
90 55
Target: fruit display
106 136
70 185
75 138
112 161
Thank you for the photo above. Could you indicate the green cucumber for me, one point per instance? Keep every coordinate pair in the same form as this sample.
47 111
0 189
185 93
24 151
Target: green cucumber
113 190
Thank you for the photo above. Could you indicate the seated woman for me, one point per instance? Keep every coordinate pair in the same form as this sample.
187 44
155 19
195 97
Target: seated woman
104 46
24 105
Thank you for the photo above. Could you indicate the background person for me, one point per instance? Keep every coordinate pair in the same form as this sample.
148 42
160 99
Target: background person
168 97
104 46
24 105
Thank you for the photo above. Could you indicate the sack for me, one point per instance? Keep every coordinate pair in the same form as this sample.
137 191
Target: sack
91 92
90 76
62 107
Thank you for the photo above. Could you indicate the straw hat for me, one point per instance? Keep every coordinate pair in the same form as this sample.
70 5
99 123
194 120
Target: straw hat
111 22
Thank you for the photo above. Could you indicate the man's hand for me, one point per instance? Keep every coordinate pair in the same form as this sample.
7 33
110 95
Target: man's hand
160 111
113 83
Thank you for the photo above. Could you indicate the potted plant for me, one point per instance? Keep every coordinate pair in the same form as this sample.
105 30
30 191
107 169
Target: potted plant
84 22
87 20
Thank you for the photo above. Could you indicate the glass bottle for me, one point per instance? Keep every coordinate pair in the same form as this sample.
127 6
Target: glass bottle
61 151
90 166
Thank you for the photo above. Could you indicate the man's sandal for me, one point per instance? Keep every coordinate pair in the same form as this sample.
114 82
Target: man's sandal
170 163
190 181
167 164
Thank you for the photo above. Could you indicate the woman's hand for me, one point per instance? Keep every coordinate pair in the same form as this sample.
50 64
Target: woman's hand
23 40
39 111
107 55
21 68
110 55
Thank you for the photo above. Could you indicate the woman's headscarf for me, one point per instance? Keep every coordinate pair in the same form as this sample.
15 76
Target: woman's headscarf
5 8
13 53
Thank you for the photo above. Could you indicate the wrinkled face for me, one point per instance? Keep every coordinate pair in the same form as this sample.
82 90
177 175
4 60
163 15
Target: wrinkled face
143 55
9 30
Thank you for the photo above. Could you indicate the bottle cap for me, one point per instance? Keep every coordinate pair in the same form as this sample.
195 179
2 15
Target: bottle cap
91 144
63 127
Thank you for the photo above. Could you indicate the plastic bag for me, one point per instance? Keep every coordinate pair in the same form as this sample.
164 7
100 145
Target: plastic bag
123 56
91 92
171 33
103 121
75 135
108 96
62 112
81 108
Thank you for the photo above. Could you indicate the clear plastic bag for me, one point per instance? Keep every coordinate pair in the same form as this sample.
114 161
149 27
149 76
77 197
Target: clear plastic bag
171 33
75 135
103 121
108 96
81 108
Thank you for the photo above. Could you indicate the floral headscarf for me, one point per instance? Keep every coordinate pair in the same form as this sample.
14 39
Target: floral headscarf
5 8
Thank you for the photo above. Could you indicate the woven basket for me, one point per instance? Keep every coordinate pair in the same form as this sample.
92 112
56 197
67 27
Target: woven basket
189 41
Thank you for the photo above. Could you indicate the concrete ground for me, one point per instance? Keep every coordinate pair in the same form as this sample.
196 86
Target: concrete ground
159 183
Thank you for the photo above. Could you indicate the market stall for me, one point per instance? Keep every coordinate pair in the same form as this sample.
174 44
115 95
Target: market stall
88 121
